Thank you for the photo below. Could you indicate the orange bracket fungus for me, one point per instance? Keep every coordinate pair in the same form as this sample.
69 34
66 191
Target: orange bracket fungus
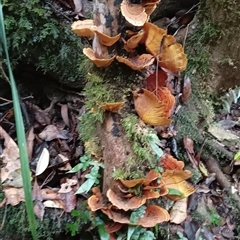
99 62
137 62
134 13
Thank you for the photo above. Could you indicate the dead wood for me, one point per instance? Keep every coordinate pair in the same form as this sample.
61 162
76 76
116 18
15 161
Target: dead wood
213 167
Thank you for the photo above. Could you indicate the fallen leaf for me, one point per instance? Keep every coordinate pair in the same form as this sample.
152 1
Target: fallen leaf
64 114
10 159
14 196
39 209
30 140
52 132
67 186
70 200
150 109
187 89
156 80
42 162
178 212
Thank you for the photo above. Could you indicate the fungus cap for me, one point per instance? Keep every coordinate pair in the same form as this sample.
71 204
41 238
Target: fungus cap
133 41
112 107
107 40
84 28
137 62
134 13
124 203
99 62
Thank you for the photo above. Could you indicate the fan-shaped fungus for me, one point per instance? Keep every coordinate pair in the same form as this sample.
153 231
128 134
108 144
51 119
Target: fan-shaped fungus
99 62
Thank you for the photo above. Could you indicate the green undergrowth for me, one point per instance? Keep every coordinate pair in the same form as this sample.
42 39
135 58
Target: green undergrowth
38 36
195 116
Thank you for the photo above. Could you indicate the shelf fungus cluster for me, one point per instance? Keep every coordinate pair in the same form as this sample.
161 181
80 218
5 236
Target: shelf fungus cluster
158 44
132 194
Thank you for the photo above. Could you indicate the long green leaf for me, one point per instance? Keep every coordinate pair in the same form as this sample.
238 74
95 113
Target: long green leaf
20 134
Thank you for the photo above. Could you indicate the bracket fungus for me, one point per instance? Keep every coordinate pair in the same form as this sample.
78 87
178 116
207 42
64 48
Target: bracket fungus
137 62
153 215
99 62
84 28
134 13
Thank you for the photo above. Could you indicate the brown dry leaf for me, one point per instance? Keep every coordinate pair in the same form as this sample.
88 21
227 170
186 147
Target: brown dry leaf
155 80
14 196
67 186
149 108
173 58
42 162
165 96
30 141
112 107
152 38
188 144
70 200
187 89
36 192
51 132
39 209
40 115
50 194
10 159
178 212
64 114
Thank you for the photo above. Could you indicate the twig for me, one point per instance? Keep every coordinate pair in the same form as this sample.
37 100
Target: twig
4 75
213 167
4 214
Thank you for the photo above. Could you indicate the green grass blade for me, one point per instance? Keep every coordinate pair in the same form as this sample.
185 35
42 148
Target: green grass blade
20 135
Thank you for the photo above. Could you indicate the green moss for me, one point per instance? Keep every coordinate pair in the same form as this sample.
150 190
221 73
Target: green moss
38 36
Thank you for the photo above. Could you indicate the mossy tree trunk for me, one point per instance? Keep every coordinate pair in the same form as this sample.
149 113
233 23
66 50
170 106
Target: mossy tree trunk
116 147
225 50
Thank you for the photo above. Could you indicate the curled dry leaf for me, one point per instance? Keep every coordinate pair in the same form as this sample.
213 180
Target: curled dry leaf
10 158
30 138
155 80
67 186
39 209
64 114
42 162
178 212
52 132
187 89
70 200
150 109
14 196
173 58
152 38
